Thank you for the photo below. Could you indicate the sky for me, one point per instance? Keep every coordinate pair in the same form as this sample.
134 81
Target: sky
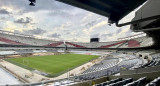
59 21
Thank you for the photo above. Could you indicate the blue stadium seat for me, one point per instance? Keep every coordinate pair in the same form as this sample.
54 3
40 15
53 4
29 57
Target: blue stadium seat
138 82
155 82
123 82
109 82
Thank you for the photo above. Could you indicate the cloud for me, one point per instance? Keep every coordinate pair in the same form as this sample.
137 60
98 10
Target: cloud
2 18
74 39
55 35
17 31
118 31
98 25
95 35
90 23
4 11
10 26
23 5
28 20
107 35
61 21
37 31
67 32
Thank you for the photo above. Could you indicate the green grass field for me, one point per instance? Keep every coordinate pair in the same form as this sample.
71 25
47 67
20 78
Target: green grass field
53 64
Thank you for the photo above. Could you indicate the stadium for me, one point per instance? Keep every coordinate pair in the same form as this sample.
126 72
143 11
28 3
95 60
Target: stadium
134 60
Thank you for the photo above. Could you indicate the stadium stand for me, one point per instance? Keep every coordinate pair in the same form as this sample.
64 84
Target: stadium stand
123 82
76 45
16 39
10 41
102 65
24 51
138 42
13 39
54 44
112 45
111 65
155 82
114 64
133 43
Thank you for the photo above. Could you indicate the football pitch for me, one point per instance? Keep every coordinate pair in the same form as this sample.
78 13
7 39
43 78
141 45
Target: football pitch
53 64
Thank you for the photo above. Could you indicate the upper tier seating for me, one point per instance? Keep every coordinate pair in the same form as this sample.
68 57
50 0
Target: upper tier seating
138 42
20 40
133 43
12 39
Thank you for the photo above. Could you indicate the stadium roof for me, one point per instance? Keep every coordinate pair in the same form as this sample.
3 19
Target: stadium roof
114 9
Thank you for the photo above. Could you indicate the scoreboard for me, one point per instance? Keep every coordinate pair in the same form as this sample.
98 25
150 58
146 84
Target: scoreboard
94 40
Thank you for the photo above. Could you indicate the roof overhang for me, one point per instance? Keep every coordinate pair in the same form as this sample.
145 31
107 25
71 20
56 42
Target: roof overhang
113 9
